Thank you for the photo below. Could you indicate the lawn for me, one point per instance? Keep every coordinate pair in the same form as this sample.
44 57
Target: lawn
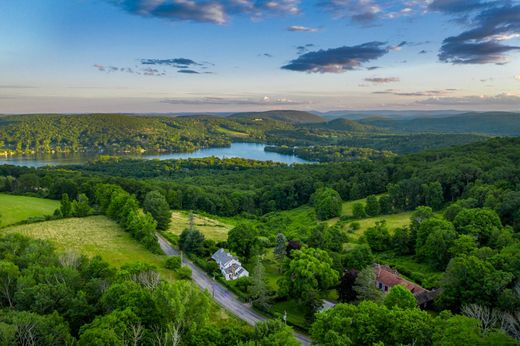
393 221
94 235
14 209
295 312
211 228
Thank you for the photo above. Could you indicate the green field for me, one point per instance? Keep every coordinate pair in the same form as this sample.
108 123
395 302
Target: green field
211 228
14 209
94 235
393 221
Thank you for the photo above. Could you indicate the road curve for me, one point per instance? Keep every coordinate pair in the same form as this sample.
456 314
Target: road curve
224 297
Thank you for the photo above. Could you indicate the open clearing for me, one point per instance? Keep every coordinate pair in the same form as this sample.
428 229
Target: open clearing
19 208
211 228
90 236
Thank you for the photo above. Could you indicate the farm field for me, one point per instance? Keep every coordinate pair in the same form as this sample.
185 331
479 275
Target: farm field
211 228
91 236
19 208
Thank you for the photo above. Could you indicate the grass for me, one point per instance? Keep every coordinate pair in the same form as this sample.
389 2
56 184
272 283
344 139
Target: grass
295 312
211 227
14 209
90 236
393 221
232 132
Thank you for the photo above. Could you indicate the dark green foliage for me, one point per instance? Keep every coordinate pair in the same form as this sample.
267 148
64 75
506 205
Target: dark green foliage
358 258
369 323
385 204
378 237
173 262
81 206
433 195
66 206
400 297
372 207
358 211
346 291
184 273
155 204
469 279
402 242
435 239
243 240
309 270
191 241
480 223
327 238
327 203
334 153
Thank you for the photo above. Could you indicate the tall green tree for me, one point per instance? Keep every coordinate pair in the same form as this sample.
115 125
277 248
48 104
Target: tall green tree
191 241
243 240
155 203
309 270
433 195
81 206
65 205
400 297
327 203
280 249
358 211
365 286
372 207
258 290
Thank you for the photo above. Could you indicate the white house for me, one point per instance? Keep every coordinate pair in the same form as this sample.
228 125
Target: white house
229 265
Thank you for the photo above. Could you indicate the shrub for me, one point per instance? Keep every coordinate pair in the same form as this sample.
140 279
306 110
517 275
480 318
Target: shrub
173 263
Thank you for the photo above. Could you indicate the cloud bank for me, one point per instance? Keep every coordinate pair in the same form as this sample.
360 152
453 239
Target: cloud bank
337 60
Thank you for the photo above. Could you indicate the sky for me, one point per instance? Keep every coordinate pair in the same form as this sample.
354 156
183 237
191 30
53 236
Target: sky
143 56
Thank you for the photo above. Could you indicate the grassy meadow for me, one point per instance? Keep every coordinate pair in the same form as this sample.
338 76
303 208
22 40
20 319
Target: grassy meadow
90 236
212 228
14 209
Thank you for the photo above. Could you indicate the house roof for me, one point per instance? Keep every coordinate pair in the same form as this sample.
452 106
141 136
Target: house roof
222 257
390 278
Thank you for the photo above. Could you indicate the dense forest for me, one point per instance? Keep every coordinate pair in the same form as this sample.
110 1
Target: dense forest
116 134
463 204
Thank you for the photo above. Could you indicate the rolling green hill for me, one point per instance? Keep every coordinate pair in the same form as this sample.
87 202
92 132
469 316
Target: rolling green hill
14 209
491 123
348 125
290 116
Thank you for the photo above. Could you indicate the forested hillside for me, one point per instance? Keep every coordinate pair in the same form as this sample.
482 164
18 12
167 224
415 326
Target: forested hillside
117 134
290 116
453 223
491 123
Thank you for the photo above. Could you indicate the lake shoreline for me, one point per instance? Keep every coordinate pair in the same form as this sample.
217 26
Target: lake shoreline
245 150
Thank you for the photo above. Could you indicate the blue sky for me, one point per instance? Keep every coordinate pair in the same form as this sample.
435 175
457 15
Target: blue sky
188 55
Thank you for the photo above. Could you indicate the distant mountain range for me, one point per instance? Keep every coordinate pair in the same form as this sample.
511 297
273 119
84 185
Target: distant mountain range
403 114
290 116
491 123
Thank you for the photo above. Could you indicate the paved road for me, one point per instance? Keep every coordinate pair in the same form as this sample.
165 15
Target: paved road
221 294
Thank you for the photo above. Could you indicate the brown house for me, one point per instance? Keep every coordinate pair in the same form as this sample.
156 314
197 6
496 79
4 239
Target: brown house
387 278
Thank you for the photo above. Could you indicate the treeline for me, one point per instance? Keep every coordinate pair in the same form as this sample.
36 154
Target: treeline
331 153
50 298
411 180
113 133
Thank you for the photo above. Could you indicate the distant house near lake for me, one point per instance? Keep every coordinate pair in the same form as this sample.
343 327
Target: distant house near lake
387 277
229 265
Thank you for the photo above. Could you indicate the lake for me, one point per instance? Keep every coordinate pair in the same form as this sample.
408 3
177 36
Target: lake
253 151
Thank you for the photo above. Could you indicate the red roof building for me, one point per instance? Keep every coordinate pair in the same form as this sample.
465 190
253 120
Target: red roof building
387 278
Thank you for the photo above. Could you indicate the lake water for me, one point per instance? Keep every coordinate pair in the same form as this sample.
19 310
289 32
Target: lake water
252 151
